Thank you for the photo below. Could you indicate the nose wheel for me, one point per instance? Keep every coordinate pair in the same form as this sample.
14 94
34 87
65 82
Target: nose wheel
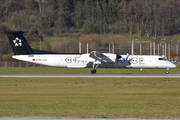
167 71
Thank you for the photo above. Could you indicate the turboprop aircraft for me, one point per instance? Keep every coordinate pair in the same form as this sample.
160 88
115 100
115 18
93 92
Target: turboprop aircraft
22 51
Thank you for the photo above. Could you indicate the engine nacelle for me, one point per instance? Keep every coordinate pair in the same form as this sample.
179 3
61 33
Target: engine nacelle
118 56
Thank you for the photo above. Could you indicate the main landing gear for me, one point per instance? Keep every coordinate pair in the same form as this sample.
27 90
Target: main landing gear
93 71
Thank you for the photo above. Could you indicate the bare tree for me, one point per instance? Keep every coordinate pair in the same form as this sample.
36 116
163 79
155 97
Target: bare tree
3 40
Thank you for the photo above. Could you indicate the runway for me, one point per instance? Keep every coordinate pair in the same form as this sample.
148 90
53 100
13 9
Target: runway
87 75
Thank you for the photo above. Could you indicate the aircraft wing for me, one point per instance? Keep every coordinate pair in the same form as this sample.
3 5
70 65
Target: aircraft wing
97 57
95 54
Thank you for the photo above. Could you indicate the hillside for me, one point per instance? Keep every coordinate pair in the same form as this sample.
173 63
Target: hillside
105 21
55 17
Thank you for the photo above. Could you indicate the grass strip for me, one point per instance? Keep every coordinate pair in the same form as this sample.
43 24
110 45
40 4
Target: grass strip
81 70
90 97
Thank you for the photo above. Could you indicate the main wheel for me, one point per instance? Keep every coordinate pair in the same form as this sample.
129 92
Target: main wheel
93 71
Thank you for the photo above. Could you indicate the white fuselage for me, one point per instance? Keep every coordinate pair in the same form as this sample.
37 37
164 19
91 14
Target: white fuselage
108 61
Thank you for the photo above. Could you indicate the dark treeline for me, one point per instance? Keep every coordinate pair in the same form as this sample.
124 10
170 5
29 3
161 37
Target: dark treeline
151 18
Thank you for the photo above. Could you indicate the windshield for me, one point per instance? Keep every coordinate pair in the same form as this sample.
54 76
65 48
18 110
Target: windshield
162 58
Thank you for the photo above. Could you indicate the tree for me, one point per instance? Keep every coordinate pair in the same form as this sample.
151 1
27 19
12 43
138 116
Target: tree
79 15
143 17
67 8
34 5
4 44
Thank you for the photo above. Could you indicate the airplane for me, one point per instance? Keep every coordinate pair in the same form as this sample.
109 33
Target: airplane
22 51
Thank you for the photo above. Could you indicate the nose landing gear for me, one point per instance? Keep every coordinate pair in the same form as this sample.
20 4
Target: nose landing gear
167 71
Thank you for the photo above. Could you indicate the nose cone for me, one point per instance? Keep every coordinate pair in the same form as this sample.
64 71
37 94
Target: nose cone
171 65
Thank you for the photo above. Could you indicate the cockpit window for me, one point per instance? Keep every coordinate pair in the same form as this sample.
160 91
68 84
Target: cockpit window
162 58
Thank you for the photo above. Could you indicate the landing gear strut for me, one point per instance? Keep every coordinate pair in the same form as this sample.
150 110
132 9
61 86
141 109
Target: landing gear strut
93 71
167 71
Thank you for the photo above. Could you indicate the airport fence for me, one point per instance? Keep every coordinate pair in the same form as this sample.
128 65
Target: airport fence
18 64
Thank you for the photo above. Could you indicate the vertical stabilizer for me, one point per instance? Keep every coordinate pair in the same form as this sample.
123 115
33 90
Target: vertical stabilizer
18 43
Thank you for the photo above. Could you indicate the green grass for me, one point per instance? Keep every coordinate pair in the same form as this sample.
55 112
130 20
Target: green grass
54 38
6 56
90 97
58 38
176 36
80 70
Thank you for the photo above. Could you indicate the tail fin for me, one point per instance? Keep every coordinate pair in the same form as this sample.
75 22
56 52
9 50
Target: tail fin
18 43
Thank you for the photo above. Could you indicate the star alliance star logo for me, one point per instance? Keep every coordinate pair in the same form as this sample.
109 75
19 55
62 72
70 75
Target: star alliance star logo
17 42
